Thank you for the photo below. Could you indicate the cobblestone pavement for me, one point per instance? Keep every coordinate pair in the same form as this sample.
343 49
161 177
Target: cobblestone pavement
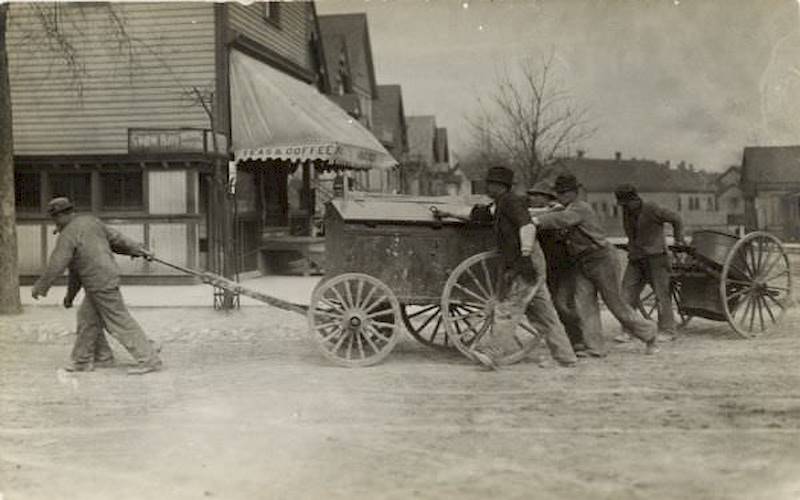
247 408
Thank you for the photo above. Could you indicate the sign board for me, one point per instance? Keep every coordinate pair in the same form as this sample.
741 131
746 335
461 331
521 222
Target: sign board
181 140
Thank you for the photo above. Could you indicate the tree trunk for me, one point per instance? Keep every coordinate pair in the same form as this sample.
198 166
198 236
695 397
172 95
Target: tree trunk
9 279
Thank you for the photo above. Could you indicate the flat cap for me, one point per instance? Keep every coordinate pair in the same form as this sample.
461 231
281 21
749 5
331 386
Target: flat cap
59 205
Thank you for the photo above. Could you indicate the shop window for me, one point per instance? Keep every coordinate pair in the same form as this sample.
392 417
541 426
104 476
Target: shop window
122 191
272 12
27 191
75 186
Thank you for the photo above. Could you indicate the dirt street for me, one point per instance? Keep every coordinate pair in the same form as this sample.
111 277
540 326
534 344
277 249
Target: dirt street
248 409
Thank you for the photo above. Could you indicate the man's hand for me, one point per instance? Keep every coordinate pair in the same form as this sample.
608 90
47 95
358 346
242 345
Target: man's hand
37 292
147 254
67 302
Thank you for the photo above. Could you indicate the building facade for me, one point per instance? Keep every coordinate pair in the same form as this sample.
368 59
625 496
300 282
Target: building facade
770 184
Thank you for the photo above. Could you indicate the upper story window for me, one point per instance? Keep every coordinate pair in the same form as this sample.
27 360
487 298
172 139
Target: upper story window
272 12
27 191
122 191
75 186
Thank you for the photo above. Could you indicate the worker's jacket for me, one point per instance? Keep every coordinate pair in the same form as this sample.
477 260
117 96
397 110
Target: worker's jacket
86 246
583 231
645 229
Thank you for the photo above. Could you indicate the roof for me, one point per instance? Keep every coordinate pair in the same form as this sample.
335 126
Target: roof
771 165
604 175
421 137
388 116
358 47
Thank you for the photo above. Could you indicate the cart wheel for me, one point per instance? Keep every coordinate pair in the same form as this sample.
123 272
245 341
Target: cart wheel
468 303
355 319
756 284
425 324
648 307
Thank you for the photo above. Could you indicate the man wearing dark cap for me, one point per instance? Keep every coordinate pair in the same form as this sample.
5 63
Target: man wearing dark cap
523 270
648 260
596 269
85 245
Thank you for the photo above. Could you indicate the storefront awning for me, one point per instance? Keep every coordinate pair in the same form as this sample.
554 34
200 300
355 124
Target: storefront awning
276 117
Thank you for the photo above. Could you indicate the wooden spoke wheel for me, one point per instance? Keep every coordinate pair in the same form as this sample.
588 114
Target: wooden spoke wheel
355 319
468 302
648 306
425 323
756 284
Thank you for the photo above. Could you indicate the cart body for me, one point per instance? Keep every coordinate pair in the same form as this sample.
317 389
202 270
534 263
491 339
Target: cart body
398 241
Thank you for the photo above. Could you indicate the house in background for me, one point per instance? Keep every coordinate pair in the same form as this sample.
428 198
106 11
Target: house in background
427 170
770 183
689 192
389 126
134 146
730 197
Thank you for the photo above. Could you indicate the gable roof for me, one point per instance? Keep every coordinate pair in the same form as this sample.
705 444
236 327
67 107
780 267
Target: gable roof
604 175
388 114
358 46
771 165
421 137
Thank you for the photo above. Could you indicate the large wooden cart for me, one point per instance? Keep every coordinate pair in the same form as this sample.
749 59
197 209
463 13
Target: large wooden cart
391 264
745 281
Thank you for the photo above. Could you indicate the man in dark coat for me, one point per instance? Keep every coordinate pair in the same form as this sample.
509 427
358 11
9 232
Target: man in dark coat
596 269
524 270
648 259
85 245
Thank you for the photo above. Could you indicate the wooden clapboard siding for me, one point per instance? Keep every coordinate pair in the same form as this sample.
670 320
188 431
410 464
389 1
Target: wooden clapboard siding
146 84
167 192
289 39
29 247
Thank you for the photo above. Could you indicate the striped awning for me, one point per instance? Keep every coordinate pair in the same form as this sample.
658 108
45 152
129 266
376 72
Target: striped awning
277 117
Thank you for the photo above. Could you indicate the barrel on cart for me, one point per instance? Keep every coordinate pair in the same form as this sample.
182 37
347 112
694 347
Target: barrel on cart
391 264
745 281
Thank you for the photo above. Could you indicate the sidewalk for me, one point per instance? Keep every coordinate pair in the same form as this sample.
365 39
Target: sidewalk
296 289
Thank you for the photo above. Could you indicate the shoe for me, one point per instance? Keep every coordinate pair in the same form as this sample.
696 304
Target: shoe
589 354
485 359
104 363
79 367
156 346
651 346
623 338
567 364
145 368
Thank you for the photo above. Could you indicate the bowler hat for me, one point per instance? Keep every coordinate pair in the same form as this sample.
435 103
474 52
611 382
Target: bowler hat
543 188
501 175
626 192
59 206
565 183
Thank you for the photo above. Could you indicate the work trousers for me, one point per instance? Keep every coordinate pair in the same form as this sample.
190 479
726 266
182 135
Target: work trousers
561 284
597 272
105 310
653 269
524 298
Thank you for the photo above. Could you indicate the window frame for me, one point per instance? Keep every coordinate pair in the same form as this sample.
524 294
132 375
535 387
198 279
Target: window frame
101 192
23 209
52 193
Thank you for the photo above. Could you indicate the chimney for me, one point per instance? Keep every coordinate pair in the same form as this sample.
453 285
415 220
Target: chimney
618 155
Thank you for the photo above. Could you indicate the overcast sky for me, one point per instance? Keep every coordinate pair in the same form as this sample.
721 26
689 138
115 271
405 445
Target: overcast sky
692 80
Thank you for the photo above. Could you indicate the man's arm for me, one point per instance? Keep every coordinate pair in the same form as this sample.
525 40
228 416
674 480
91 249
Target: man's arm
123 245
562 219
73 286
672 218
59 260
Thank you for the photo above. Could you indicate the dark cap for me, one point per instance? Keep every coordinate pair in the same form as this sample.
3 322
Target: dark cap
543 188
501 175
565 183
59 206
626 192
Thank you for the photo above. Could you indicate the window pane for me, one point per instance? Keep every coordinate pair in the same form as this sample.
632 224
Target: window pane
122 191
76 187
27 188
